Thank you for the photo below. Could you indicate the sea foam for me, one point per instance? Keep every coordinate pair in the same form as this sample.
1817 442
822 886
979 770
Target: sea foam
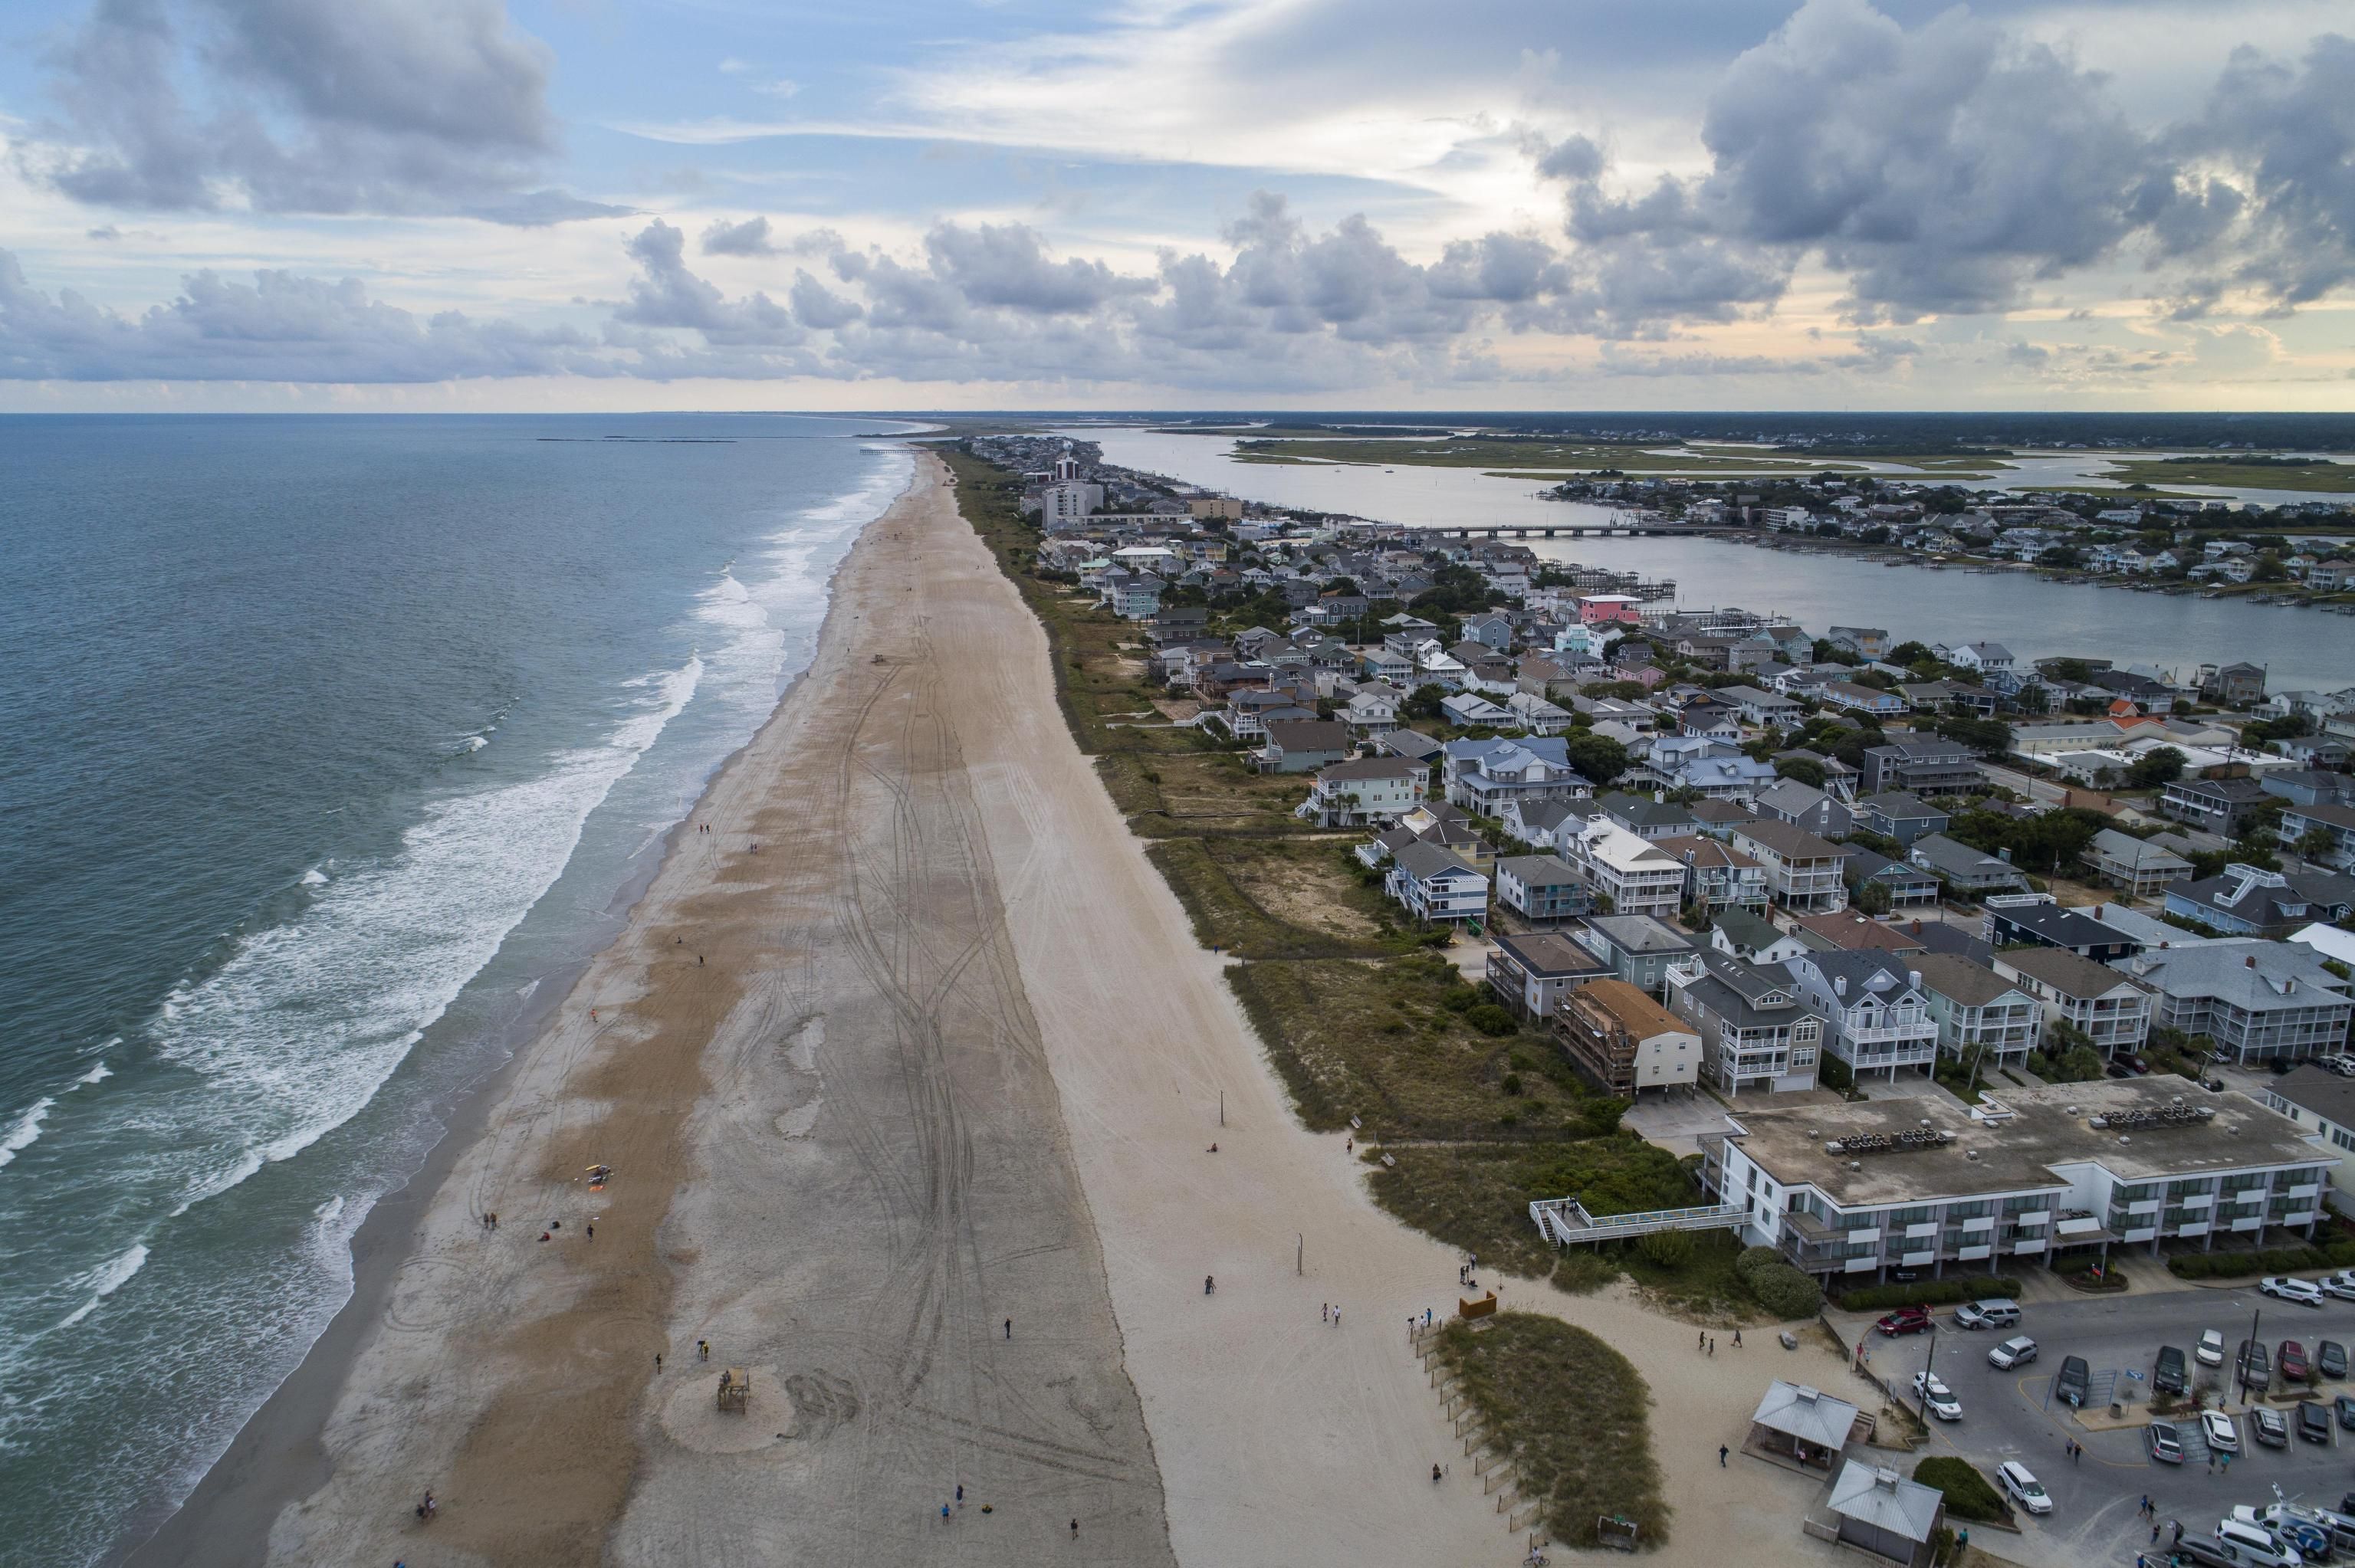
27 1128
295 1032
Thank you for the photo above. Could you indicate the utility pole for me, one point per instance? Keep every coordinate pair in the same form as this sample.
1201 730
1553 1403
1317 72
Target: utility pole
2255 1314
1929 1366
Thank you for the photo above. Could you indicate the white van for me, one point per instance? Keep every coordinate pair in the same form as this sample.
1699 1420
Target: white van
2254 1543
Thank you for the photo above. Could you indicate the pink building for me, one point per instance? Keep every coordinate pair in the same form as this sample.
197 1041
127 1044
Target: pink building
1607 609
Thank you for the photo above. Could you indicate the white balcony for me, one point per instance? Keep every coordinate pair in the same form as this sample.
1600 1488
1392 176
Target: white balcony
1979 1222
1973 1254
1913 1258
1929 1229
2249 1223
1858 1265
2139 1233
2027 1248
2196 1201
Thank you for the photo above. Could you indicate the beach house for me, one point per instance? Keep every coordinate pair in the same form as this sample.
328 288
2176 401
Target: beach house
1435 887
1802 872
2109 1007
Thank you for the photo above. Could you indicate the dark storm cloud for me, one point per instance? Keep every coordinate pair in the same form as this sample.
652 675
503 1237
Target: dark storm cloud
1946 169
399 106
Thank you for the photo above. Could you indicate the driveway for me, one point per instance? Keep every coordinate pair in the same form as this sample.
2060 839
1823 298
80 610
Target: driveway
2096 1497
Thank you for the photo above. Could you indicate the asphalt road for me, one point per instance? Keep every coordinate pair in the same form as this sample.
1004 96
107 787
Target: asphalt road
2097 1498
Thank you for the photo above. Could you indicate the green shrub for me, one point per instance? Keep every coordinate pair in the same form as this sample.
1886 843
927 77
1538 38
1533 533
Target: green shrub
1601 1115
1926 1293
1833 1073
1785 1292
1510 1083
2336 1254
1754 1259
1666 1249
1490 1019
1969 1495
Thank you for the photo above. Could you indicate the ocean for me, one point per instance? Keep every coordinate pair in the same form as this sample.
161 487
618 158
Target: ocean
329 742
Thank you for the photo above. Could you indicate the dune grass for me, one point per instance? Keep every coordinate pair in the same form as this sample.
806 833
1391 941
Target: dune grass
1573 1416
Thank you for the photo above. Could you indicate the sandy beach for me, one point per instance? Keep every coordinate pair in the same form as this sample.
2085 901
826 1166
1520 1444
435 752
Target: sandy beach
911 1109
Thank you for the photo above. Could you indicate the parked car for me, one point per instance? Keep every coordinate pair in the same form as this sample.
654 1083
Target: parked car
2291 1362
2195 1552
2022 1488
1932 1390
2253 1366
2017 1352
2170 1374
2343 1065
2069 1388
2305 1292
2313 1421
2330 1360
1905 1320
2254 1543
2268 1426
2211 1347
1993 1313
2217 1429
2341 1285
2345 1403
2164 1443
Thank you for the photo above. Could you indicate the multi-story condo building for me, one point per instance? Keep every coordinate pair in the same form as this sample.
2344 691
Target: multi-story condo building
1802 872
1976 1009
1754 1034
2259 1002
2109 1007
1877 1018
1860 1188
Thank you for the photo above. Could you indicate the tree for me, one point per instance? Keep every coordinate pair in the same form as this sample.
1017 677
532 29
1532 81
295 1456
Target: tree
1872 897
2082 1065
2269 569
2316 844
1422 703
1911 653
2159 766
1988 738
2062 556
1598 757
1805 770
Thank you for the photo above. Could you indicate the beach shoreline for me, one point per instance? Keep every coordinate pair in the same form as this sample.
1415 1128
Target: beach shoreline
277 1456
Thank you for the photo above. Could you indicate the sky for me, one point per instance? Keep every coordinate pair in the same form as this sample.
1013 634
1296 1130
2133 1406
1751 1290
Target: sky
523 205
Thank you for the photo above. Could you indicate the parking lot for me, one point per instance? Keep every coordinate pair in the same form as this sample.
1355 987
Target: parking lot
2013 1415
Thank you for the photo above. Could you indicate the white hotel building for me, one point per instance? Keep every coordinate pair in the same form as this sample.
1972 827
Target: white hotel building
1863 1188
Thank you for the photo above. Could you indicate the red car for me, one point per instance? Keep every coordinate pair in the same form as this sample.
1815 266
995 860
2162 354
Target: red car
1905 1320
2291 1360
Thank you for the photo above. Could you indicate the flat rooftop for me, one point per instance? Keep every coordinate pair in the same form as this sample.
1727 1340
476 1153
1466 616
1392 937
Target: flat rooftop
2049 1126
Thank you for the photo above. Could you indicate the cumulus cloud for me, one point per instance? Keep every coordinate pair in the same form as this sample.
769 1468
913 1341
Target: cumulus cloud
1949 168
666 294
398 106
280 327
2289 133
749 238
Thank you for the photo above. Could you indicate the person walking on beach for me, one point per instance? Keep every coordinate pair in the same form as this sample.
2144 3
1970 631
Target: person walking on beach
1712 1347
1009 1327
1721 1452
1737 1339
1209 1287
1075 1530
1336 1316
1700 1340
1324 1311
